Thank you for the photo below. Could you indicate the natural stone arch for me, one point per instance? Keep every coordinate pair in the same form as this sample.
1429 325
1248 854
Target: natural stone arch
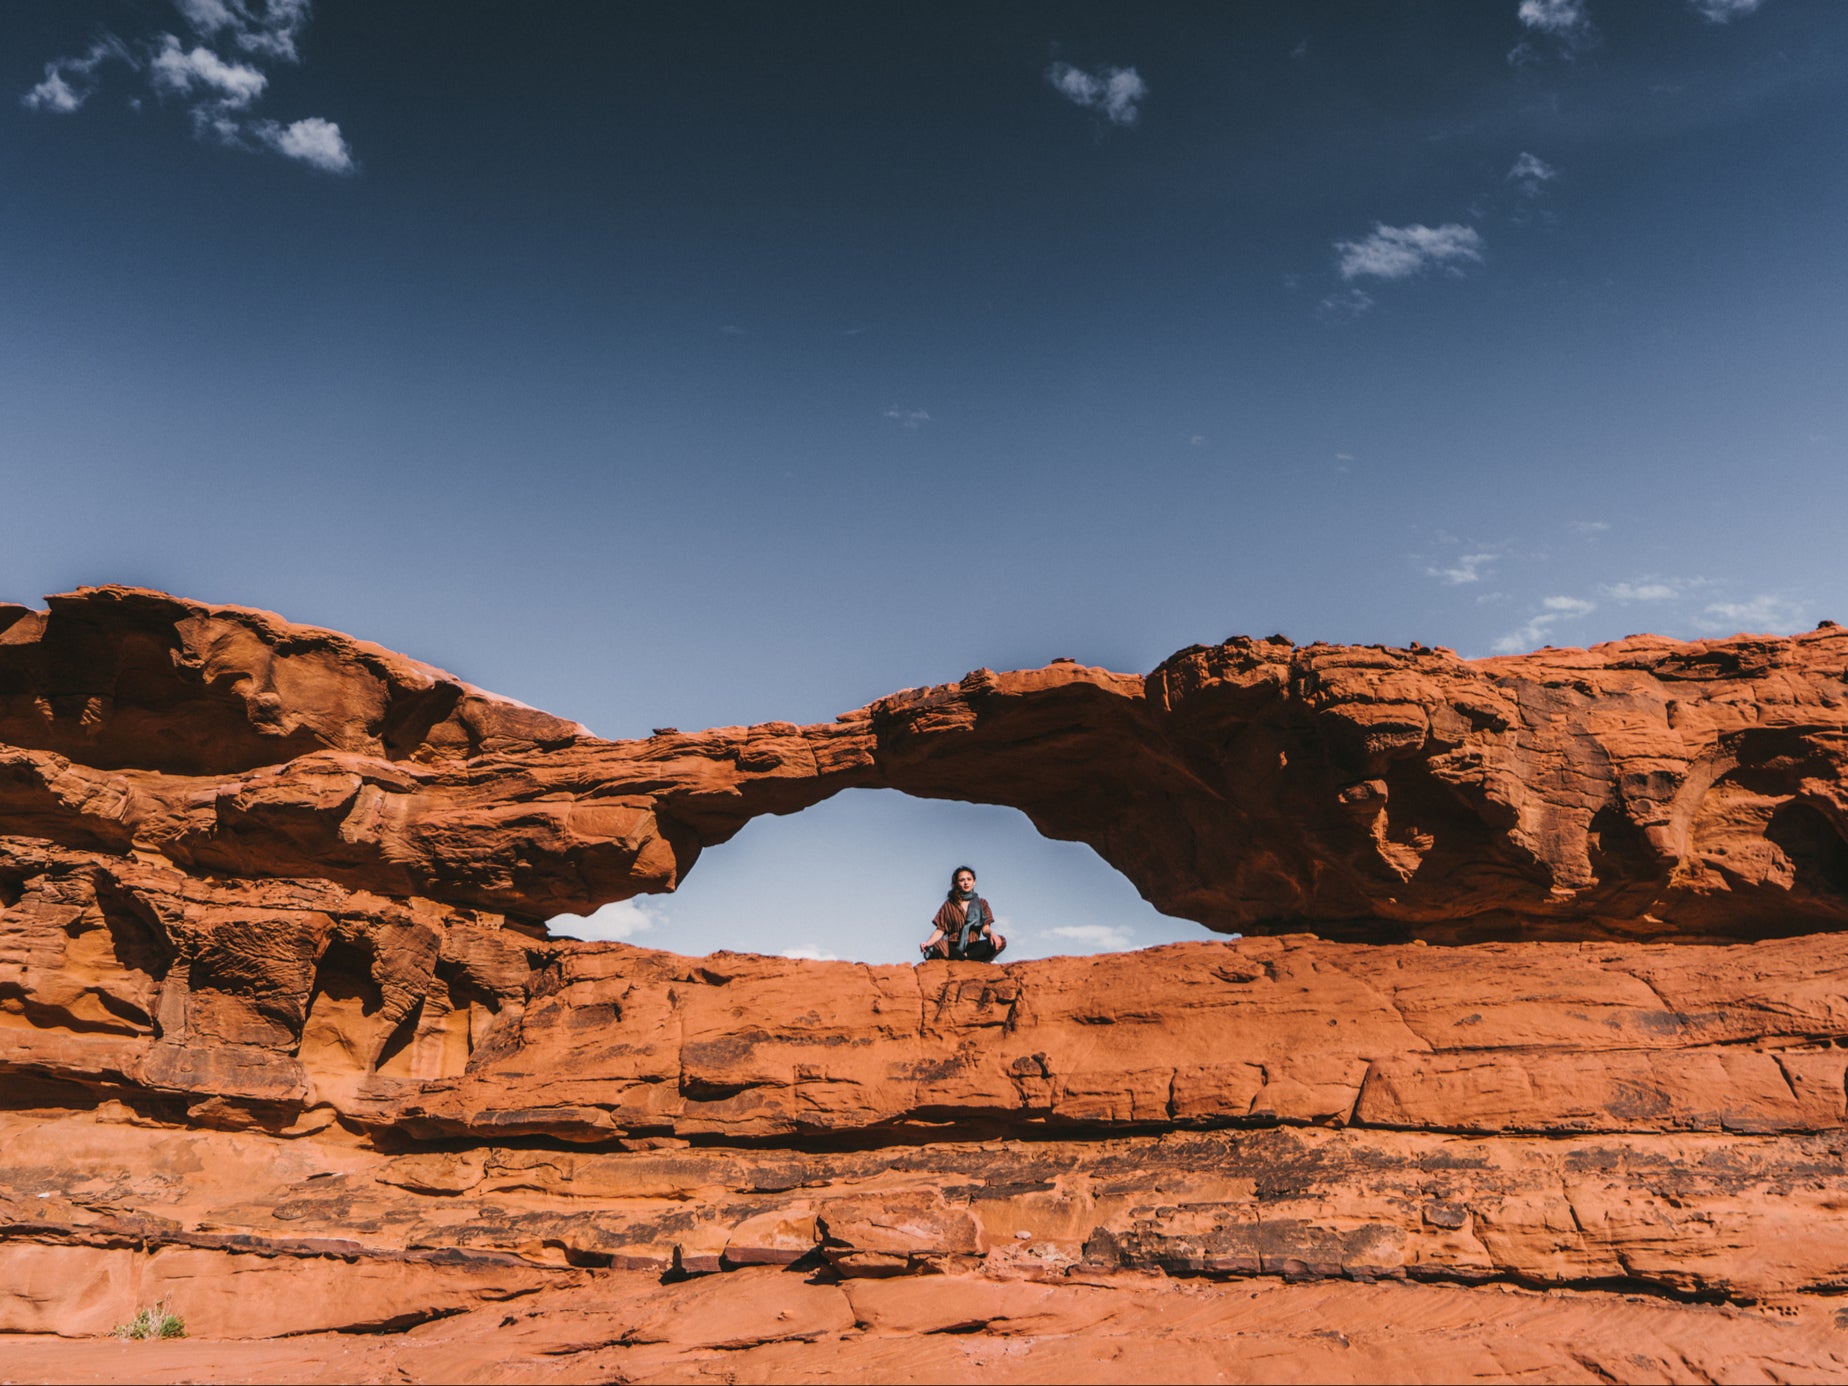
1251 786
858 876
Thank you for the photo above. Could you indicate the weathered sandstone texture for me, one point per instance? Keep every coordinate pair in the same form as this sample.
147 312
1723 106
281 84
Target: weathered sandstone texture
1648 787
1535 1063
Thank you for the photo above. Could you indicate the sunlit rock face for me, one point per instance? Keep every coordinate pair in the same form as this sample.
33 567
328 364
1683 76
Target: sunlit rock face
1644 788
1547 996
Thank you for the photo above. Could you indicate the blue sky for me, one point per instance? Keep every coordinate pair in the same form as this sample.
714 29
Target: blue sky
686 364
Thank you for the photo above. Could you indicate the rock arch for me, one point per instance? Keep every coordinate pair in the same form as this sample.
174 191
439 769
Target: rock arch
1254 785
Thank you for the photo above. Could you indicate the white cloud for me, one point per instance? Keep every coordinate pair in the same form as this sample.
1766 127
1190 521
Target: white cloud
1725 11
1641 592
1467 569
1587 528
1529 637
613 923
203 72
908 418
314 141
1531 173
206 16
1102 938
266 28
1398 252
1558 17
1763 615
216 91
810 954
54 93
1569 606
69 82
1540 625
1115 91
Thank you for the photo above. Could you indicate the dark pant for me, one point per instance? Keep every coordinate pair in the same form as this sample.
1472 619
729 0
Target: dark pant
981 949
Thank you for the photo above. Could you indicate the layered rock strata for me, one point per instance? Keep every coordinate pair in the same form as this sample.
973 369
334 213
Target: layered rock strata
284 1043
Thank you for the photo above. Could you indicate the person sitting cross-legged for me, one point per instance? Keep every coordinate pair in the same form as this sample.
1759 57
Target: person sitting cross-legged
965 926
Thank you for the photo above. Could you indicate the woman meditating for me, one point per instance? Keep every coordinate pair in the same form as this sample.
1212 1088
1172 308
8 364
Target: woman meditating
964 926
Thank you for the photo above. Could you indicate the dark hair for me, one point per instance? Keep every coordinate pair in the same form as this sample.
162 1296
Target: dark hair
953 875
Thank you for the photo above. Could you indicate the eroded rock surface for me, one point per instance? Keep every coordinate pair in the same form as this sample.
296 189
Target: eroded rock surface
284 1044
1648 787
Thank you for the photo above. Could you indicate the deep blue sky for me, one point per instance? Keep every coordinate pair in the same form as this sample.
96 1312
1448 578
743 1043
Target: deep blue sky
683 364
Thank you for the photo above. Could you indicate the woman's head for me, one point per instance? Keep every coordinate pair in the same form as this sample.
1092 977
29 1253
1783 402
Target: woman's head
962 881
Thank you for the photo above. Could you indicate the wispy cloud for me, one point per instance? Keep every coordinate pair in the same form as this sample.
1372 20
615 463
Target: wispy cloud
1115 92
69 82
1399 252
267 28
216 78
615 923
1540 624
1102 938
203 76
1565 22
810 954
1762 615
1569 606
1586 528
1642 591
1725 11
1558 18
908 418
1466 569
1531 173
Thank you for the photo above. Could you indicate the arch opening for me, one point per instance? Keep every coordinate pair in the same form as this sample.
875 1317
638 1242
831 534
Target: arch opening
858 876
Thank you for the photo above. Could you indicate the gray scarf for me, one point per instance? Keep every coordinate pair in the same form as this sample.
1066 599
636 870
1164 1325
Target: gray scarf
972 919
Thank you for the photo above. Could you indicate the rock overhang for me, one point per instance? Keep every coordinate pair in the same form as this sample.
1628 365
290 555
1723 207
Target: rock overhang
1647 788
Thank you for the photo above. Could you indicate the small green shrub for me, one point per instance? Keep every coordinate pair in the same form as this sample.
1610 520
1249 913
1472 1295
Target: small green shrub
156 1321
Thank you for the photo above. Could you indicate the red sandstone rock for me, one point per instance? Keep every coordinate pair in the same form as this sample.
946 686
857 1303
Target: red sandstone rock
283 1044
1646 787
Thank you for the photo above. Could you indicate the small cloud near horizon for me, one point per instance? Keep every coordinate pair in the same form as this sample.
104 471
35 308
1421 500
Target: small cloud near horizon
807 954
1466 569
1533 634
908 418
1766 614
616 923
1642 591
1102 938
1113 92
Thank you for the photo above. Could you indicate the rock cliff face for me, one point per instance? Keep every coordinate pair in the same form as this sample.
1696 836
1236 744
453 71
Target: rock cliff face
1536 1063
